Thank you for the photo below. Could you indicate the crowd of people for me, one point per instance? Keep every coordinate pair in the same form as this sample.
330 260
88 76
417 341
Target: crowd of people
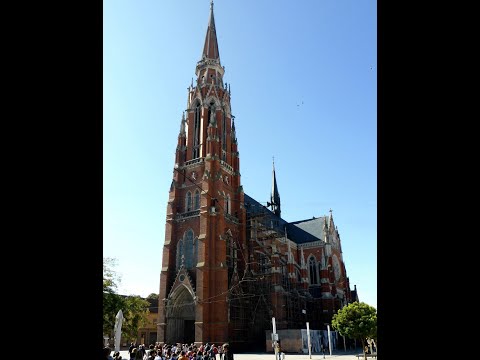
173 352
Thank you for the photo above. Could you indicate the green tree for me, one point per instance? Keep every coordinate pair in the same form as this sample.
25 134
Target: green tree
357 320
112 302
110 277
134 308
136 316
153 296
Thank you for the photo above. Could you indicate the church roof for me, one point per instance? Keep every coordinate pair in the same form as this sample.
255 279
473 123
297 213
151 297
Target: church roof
312 226
304 233
253 208
153 308
300 235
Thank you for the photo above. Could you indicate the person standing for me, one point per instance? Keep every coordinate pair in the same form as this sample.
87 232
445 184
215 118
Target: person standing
278 350
213 352
139 353
130 348
227 353
106 353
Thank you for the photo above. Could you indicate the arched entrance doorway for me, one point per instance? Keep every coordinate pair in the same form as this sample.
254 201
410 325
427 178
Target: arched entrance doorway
180 317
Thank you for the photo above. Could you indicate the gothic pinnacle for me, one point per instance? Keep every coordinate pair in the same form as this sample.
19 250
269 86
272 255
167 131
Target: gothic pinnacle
182 125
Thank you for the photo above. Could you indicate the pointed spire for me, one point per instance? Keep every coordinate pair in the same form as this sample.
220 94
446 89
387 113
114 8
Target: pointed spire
182 125
275 196
233 133
210 48
325 229
330 222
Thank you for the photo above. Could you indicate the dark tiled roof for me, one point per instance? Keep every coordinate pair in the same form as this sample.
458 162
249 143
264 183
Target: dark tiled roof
253 207
153 305
312 226
299 235
295 232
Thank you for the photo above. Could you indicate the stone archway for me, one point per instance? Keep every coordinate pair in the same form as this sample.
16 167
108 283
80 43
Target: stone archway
180 317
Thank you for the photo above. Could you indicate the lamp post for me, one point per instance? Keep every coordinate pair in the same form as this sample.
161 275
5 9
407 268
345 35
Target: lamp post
308 341
274 338
329 340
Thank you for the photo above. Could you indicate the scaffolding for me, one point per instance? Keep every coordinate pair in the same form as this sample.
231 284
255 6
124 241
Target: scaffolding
262 290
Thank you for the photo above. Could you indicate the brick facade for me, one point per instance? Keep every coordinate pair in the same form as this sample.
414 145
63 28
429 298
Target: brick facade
223 275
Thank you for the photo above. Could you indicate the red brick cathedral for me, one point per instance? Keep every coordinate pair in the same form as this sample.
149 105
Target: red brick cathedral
230 264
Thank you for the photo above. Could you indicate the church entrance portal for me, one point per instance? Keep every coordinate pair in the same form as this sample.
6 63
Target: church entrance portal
180 317
189 326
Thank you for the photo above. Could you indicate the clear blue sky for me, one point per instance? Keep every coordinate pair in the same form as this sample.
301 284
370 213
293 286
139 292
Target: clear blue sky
303 78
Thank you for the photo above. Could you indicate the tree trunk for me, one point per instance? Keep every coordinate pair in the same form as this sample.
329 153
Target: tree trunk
363 349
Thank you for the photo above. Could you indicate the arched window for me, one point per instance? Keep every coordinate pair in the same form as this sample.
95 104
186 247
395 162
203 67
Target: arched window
196 132
188 239
211 116
312 266
188 202
197 199
336 267
195 253
231 252
187 248
180 248
224 138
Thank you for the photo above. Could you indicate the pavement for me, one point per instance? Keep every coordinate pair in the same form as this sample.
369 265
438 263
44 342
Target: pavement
336 354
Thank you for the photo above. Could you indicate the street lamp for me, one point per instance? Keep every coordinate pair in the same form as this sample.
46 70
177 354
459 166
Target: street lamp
304 311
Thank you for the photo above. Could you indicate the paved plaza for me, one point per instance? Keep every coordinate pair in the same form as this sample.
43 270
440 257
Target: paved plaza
349 355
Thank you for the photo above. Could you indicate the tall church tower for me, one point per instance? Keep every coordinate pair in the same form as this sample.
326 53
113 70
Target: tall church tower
204 231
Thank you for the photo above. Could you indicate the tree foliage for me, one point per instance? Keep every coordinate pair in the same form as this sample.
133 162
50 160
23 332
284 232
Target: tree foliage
134 308
153 296
110 277
112 303
357 320
136 316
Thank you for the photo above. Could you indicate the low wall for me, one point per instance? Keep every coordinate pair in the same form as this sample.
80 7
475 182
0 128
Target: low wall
295 340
